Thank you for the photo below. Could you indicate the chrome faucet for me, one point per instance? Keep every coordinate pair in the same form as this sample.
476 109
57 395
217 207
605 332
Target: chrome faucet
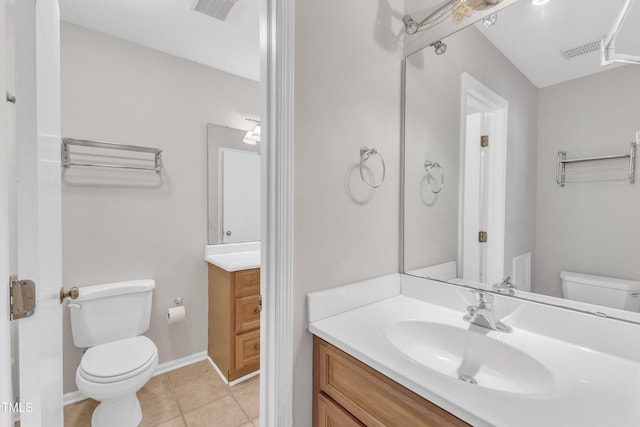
482 314
505 287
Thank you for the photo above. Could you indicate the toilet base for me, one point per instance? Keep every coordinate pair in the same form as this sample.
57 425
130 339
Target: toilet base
123 412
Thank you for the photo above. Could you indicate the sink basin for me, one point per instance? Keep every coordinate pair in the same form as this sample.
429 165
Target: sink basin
471 356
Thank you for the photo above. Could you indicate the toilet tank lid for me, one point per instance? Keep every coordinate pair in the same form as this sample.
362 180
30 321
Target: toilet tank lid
609 282
104 290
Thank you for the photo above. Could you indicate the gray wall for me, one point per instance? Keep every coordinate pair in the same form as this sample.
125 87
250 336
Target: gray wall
590 227
120 225
433 132
347 94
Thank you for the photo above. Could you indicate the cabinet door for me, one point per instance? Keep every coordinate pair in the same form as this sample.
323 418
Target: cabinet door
329 414
247 314
248 350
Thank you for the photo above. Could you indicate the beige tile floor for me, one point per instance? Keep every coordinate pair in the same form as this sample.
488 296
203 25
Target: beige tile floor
193 396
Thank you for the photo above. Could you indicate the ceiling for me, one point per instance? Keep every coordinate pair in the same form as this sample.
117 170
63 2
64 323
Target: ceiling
171 26
533 36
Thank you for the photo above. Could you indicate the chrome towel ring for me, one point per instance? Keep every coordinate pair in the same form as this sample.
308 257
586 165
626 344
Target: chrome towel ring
428 166
365 154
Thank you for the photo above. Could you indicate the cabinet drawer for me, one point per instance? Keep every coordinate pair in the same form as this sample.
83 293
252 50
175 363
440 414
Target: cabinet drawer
247 350
371 397
247 282
247 313
329 414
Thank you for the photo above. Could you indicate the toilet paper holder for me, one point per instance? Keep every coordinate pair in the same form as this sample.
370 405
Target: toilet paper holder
178 301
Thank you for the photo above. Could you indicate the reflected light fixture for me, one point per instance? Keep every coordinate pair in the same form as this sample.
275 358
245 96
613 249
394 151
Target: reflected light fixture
252 137
539 2
490 20
440 47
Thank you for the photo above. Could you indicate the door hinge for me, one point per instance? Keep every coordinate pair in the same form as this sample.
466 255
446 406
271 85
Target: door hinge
482 237
484 140
22 298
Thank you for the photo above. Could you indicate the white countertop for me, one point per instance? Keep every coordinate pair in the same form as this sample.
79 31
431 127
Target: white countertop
235 256
591 387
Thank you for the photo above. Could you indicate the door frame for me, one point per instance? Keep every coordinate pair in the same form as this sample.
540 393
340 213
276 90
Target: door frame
497 173
276 275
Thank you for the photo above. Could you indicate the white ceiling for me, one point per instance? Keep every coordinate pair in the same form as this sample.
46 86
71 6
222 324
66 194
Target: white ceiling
171 26
533 36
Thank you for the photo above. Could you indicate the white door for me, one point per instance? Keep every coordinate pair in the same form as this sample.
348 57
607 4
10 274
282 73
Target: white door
37 127
239 196
483 175
6 395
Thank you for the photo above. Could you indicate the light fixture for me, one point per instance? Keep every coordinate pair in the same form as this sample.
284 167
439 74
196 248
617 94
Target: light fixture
410 26
539 2
458 9
252 137
440 47
490 20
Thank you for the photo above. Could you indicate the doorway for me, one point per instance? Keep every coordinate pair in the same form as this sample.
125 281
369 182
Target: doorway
483 182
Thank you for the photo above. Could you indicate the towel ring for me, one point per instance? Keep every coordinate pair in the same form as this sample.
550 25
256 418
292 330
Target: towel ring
428 165
365 154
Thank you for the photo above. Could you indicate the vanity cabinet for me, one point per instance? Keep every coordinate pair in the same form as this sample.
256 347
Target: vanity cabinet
234 321
349 393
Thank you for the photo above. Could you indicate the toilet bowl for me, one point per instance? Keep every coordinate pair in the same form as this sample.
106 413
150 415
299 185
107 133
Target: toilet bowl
108 320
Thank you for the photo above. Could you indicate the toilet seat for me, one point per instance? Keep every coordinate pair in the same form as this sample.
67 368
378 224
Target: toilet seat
118 360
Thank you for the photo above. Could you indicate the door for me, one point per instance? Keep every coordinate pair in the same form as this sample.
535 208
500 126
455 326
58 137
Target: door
239 196
37 207
483 177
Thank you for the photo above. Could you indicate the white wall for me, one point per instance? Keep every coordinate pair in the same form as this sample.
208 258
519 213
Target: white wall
433 113
347 94
591 227
120 225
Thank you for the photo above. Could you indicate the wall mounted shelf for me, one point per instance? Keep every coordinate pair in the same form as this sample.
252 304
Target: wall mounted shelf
137 163
562 173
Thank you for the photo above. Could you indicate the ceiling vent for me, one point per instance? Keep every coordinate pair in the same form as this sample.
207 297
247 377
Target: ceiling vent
218 9
583 49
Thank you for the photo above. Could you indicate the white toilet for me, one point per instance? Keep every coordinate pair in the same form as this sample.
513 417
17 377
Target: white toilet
108 320
607 291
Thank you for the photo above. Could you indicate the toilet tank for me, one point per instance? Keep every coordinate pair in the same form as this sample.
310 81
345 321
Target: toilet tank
601 290
111 311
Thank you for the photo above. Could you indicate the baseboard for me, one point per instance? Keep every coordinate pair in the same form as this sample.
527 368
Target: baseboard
237 380
163 368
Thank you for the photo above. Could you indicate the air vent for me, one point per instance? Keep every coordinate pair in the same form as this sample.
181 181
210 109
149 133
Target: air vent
218 9
583 49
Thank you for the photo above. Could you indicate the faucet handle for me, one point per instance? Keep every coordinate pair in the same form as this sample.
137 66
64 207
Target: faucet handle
483 296
505 287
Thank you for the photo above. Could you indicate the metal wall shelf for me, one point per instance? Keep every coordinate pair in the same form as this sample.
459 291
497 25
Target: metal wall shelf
561 172
68 162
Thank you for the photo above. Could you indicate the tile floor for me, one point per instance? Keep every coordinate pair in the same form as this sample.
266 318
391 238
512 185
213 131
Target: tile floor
193 396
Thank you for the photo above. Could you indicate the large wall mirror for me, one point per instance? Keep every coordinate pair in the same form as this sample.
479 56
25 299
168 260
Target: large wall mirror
233 186
518 153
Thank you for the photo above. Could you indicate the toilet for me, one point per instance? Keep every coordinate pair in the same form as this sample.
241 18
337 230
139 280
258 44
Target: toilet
109 320
607 291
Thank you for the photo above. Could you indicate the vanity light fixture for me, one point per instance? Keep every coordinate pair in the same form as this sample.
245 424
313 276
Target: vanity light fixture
252 137
440 47
458 9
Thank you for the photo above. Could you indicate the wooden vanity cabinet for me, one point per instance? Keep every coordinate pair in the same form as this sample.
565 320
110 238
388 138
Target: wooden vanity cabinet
349 393
234 321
